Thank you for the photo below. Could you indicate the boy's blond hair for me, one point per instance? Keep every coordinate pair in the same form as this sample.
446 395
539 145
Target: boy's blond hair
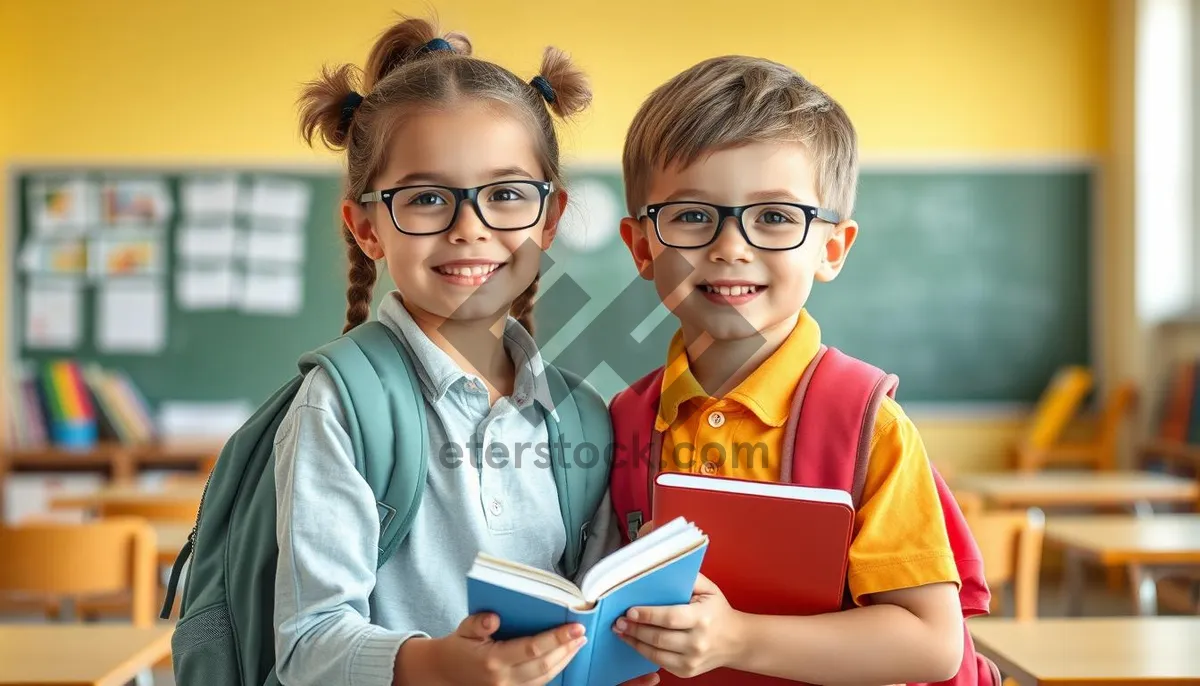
733 100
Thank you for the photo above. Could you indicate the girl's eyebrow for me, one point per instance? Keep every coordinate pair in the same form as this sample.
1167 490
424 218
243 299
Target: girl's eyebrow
443 180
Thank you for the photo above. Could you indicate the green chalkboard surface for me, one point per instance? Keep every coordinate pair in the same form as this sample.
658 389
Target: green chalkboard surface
972 285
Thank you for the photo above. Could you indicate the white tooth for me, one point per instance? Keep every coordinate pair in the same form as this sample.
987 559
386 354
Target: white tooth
739 290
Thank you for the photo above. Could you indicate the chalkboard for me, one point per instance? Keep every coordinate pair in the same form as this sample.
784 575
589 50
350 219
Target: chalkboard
971 285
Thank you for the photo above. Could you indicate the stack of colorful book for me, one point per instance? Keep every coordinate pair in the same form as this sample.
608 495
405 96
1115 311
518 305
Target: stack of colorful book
73 405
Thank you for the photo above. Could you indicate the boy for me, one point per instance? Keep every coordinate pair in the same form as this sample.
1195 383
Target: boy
740 176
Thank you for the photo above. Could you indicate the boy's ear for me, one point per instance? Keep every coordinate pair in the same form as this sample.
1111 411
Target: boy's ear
358 220
639 246
555 208
837 246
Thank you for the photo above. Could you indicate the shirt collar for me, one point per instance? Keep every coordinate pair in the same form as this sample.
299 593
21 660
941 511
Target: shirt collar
767 391
438 372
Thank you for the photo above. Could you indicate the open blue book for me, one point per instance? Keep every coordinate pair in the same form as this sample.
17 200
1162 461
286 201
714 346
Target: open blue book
659 568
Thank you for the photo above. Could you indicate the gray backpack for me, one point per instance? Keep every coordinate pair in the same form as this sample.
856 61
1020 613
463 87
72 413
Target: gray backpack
224 635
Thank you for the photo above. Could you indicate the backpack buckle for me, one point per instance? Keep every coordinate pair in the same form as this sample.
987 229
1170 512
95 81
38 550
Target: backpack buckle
633 522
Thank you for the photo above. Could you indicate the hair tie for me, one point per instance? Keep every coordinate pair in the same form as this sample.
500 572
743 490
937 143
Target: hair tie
349 104
436 44
540 83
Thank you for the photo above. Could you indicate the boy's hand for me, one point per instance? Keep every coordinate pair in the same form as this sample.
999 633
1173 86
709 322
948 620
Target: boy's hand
686 640
471 656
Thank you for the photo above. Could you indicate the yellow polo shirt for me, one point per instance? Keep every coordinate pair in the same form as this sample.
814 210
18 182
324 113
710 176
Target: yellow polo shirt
900 537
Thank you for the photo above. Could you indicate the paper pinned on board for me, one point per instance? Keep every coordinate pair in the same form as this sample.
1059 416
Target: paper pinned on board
206 288
278 199
52 313
271 245
219 242
131 316
277 293
211 198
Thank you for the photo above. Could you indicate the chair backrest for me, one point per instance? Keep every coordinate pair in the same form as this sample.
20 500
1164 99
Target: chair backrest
1059 403
1011 544
59 559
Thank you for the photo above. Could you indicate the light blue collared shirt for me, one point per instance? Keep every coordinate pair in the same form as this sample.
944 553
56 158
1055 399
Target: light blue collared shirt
488 489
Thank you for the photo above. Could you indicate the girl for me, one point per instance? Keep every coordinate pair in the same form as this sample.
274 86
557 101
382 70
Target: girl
454 182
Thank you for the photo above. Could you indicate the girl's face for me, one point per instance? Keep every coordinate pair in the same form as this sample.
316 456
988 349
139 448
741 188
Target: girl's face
470 271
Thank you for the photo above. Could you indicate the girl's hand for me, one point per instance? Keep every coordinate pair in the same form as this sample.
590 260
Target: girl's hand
686 640
470 656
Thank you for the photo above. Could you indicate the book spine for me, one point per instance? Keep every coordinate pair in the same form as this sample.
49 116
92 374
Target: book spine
578 670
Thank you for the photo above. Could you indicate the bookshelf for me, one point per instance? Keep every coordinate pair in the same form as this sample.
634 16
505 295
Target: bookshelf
121 462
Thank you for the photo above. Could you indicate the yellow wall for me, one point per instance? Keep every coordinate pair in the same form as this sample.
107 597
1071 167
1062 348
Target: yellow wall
218 79
143 80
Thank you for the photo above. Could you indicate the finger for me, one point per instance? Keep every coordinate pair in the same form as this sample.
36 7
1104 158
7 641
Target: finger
520 650
648 680
704 585
479 625
663 658
666 639
543 669
676 617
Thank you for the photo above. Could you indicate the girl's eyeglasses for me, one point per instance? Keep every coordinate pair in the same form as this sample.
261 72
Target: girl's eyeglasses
765 225
427 210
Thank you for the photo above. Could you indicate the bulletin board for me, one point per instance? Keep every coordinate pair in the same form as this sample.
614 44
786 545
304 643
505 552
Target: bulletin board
973 285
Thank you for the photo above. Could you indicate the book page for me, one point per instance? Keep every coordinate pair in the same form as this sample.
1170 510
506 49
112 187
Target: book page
646 553
526 579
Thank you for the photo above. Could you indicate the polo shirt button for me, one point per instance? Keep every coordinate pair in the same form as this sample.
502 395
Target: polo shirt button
709 468
716 420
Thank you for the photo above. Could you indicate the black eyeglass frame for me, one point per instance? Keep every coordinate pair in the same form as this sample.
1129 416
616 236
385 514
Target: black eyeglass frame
736 211
461 195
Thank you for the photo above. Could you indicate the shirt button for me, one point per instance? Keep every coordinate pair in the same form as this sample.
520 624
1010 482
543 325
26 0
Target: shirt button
709 468
716 420
495 507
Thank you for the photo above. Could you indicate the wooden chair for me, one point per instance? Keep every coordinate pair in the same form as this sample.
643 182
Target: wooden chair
58 561
1011 544
1044 446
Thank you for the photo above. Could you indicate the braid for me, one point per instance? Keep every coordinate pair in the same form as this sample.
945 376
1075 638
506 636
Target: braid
522 307
362 283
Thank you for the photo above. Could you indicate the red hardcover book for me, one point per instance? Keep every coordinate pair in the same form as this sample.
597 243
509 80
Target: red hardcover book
773 549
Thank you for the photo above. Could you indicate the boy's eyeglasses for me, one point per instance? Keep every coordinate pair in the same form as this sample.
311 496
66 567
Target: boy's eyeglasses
427 210
764 225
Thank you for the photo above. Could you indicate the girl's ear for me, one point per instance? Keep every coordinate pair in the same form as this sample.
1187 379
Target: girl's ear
358 220
556 205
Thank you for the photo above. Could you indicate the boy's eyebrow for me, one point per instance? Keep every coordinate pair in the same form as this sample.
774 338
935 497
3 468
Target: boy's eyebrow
686 194
441 180
780 194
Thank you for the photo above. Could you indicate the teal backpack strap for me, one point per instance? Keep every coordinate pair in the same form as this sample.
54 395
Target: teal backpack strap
581 456
385 412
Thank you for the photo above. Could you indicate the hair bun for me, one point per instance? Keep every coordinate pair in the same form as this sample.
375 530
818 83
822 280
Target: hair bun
569 91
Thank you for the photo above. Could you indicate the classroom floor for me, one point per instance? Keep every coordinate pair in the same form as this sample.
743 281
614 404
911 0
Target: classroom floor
1099 601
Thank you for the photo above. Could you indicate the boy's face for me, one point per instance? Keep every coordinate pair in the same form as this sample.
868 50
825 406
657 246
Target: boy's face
729 288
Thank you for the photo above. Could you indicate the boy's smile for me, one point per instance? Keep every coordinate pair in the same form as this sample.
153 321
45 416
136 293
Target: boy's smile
730 289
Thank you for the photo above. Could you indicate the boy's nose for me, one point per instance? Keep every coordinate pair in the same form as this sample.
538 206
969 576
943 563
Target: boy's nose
730 245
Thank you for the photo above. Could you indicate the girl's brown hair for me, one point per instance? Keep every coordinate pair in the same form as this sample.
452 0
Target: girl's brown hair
411 65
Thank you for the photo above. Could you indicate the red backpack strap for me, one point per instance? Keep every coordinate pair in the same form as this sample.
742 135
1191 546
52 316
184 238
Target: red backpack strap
831 444
636 452
831 439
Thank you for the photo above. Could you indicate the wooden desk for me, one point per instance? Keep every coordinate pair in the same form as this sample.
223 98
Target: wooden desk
1146 651
79 655
1051 489
1150 545
121 462
126 493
